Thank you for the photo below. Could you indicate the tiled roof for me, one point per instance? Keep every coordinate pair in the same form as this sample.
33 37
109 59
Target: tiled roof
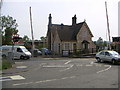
67 32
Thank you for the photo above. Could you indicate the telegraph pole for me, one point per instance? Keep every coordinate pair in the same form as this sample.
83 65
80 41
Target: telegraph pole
32 33
109 46
1 3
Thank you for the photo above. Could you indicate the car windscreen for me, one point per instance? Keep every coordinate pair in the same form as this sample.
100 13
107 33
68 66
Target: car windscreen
24 50
114 53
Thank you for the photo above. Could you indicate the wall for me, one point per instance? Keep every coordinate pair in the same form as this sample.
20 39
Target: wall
84 34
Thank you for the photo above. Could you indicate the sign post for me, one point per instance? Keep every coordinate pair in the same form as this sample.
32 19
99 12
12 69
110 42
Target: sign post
15 39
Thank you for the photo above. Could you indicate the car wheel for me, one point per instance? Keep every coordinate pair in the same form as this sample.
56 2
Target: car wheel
4 56
113 61
98 60
28 58
21 57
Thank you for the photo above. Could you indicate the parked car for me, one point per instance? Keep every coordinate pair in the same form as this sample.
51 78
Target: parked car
108 55
37 52
46 51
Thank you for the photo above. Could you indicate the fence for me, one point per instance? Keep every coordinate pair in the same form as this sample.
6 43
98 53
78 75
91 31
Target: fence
79 52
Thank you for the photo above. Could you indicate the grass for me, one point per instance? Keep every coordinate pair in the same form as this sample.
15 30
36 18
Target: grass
5 64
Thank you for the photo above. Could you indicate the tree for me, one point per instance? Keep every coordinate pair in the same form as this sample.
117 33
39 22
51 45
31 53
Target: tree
26 38
9 27
101 44
43 38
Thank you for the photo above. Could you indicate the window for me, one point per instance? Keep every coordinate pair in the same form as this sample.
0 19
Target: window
19 50
59 47
74 46
101 53
66 46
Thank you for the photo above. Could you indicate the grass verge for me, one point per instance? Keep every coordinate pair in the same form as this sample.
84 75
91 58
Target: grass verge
5 64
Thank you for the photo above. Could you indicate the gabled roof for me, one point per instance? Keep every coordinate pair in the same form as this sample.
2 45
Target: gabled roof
67 32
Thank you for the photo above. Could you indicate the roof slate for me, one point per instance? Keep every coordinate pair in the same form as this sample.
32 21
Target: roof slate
67 32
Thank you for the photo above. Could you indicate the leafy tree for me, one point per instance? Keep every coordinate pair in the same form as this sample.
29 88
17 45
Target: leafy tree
43 38
9 27
26 44
42 44
26 38
101 44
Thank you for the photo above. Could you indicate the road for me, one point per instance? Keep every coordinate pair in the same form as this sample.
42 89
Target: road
62 73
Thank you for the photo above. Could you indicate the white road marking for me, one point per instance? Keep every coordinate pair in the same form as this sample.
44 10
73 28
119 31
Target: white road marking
17 77
8 78
92 62
104 69
68 62
22 83
67 68
68 77
88 65
106 65
57 66
18 62
40 66
21 67
44 81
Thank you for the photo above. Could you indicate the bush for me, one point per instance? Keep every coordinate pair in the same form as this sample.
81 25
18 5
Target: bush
5 64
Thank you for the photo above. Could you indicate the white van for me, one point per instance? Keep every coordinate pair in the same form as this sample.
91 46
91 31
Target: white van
19 52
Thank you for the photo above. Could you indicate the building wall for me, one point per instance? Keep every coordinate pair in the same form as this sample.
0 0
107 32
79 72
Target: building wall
67 45
56 43
84 34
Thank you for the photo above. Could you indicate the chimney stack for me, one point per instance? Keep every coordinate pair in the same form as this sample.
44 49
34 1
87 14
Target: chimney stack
50 19
74 20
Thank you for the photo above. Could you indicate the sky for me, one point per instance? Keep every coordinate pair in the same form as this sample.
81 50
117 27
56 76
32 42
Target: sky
62 11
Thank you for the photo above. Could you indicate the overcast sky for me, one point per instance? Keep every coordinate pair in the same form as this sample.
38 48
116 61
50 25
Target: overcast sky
62 11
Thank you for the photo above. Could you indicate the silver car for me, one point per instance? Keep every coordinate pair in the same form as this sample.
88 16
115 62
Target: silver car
107 55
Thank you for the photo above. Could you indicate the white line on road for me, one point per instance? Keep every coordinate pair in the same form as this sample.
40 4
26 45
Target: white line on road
67 68
68 62
104 69
56 66
43 81
40 66
22 83
89 65
92 62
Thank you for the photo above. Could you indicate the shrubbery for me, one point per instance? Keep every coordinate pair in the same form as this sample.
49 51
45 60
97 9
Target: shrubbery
5 64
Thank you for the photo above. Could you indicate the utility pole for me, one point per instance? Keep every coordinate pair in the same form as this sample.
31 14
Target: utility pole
32 33
109 46
1 3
